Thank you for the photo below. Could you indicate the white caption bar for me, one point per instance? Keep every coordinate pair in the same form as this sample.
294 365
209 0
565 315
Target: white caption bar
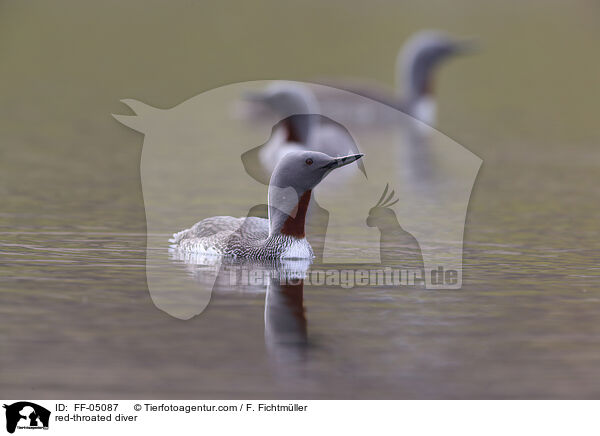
296 417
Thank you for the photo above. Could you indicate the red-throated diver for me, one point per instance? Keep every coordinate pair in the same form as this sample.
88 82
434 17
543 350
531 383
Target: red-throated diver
301 126
281 236
416 64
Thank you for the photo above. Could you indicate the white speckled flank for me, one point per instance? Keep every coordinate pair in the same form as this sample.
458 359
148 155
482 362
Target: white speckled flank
250 240
297 249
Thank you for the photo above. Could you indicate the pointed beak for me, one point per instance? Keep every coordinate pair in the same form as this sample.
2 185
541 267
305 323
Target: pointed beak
339 162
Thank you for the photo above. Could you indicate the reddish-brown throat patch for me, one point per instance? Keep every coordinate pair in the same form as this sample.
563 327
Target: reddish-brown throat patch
428 86
293 135
294 224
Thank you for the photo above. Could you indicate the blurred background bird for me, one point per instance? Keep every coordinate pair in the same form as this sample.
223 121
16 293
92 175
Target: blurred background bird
417 62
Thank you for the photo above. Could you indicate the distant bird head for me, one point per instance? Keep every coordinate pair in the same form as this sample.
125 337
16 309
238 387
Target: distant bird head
420 56
285 99
381 215
292 102
292 124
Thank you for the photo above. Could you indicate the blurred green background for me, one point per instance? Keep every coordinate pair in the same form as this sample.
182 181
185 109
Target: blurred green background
66 64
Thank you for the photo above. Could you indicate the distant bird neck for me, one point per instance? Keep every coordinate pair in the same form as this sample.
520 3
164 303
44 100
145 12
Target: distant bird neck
418 83
298 128
416 80
414 74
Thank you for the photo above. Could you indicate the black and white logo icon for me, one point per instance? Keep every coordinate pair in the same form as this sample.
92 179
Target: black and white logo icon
26 415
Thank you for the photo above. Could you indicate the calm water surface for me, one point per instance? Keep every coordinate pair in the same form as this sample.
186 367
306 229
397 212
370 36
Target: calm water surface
77 319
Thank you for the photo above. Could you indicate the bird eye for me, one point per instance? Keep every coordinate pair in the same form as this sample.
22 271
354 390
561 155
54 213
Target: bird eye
309 161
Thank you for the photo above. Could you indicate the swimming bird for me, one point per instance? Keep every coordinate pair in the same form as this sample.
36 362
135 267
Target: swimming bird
282 235
293 133
416 65
301 127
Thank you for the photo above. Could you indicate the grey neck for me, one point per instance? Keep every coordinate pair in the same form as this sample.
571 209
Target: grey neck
417 82
414 76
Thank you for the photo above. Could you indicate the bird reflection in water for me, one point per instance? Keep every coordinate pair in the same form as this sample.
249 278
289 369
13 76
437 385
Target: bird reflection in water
282 281
286 331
